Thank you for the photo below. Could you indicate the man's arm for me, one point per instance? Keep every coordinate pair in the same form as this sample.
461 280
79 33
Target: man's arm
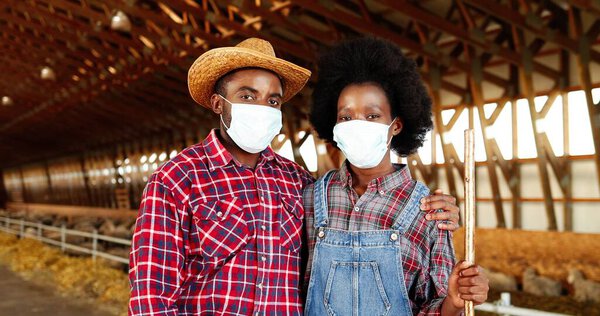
157 253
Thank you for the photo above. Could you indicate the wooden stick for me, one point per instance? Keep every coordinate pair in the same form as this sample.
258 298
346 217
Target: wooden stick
469 206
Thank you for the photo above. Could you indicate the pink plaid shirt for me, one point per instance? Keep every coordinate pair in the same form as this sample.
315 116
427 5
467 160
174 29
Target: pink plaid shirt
216 237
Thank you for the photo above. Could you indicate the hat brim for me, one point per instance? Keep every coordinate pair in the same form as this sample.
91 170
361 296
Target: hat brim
212 65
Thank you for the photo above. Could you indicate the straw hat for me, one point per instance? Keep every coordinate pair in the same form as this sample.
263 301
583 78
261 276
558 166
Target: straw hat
253 52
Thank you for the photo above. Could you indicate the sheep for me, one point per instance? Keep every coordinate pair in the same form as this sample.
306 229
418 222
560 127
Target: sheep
585 290
501 282
109 228
540 285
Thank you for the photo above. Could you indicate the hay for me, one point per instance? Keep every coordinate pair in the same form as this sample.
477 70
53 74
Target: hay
552 254
73 276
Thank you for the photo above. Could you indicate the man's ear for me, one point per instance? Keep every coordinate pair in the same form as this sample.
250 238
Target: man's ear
215 104
397 126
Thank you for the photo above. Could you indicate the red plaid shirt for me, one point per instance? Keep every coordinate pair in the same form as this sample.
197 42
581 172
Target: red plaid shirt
216 237
428 258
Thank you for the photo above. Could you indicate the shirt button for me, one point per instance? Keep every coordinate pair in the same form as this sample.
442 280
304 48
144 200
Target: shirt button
356 209
321 234
381 192
263 258
260 286
219 214
394 237
262 199
263 227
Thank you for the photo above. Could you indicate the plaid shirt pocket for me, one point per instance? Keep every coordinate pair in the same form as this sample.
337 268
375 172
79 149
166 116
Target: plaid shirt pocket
222 229
292 217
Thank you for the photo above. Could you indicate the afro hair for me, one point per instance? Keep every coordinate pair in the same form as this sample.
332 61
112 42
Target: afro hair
371 60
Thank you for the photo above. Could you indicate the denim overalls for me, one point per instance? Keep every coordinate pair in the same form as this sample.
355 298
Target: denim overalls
359 272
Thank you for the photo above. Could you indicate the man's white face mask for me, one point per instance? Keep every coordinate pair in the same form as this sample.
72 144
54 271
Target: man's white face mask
363 143
253 126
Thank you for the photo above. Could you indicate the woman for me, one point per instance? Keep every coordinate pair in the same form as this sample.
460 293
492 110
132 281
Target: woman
370 253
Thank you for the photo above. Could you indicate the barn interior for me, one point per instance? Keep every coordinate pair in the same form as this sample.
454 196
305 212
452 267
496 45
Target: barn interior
95 99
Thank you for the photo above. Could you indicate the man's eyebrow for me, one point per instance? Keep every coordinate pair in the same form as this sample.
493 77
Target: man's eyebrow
249 89
276 95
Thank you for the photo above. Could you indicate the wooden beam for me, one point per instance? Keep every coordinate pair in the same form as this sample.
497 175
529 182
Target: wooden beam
517 19
583 65
3 191
410 10
568 172
589 6
358 24
526 78
477 93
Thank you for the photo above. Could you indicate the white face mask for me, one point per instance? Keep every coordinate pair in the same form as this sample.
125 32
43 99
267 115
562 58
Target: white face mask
363 143
253 126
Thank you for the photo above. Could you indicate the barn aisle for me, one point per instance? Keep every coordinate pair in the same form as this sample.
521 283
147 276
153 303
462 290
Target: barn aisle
24 298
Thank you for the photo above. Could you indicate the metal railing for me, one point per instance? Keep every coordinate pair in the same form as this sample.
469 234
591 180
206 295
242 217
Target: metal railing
503 307
7 222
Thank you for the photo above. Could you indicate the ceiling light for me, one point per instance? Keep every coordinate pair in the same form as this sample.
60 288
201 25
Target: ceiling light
120 22
7 101
47 73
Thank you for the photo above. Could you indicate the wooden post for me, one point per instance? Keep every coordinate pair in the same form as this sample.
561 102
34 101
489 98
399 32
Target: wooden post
86 179
469 205
3 192
585 78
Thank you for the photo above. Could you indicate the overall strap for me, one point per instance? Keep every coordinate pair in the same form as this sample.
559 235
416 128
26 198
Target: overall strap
411 208
320 199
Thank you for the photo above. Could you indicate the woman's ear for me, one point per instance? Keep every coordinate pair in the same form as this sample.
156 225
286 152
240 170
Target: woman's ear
215 104
397 126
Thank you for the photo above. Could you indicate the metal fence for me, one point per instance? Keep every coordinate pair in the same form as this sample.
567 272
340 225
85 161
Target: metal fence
502 306
7 225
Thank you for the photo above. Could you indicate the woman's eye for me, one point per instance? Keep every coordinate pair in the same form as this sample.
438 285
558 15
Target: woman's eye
274 102
344 118
373 116
247 97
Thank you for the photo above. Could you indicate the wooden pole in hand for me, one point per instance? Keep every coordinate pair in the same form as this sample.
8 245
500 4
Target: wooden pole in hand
469 206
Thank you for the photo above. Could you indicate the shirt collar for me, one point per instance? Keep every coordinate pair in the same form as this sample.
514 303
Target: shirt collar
382 184
218 156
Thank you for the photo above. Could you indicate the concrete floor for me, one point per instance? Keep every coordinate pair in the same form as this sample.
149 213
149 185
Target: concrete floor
23 298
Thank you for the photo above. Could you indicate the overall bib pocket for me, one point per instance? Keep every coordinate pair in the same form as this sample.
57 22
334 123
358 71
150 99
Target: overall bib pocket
355 286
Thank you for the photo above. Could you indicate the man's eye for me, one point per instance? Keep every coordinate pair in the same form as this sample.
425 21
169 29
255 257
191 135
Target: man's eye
344 118
273 102
247 97
373 116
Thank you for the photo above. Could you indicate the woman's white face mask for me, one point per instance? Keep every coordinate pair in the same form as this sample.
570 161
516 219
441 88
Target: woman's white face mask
363 143
253 126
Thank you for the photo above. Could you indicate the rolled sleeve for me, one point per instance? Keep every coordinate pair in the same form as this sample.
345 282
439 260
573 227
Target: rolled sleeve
441 262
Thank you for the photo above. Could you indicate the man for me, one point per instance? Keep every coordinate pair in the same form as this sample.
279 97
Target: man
220 226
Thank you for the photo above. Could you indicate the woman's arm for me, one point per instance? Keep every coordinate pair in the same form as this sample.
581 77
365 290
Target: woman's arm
432 284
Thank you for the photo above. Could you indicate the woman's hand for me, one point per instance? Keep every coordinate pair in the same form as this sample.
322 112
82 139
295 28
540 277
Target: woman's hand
467 283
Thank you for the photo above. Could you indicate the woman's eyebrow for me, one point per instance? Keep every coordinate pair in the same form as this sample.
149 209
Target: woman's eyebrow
373 106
